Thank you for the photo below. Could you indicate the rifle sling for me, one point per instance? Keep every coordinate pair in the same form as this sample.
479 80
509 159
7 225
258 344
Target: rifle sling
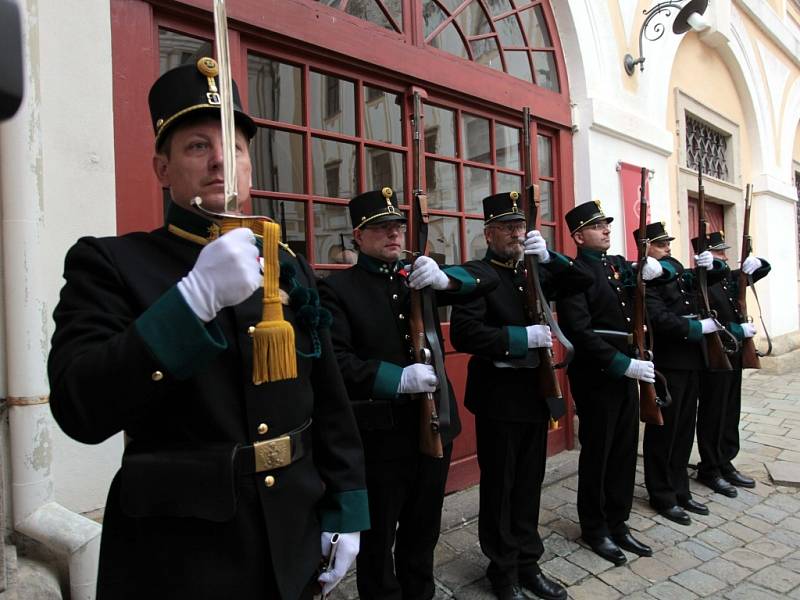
569 349
750 282
437 356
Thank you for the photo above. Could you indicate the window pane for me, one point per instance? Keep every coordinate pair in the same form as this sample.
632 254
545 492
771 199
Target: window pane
275 90
506 140
508 183
334 168
509 32
443 239
549 234
395 8
332 104
546 196
175 49
333 235
386 168
383 116
278 160
442 189
369 11
544 155
291 216
450 41
452 5
475 242
518 65
535 27
544 65
477 185
485 52
498 7
432 15
472 20
440 131
475 136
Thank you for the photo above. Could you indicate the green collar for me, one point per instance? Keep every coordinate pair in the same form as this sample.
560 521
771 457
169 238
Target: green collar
510 263
188 221
375 265
592 254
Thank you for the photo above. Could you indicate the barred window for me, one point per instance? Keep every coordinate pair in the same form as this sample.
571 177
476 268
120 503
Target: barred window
706 148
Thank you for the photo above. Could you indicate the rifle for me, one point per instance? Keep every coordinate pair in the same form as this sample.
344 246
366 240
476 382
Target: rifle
536 306
649 402
750 355
434 407
717 354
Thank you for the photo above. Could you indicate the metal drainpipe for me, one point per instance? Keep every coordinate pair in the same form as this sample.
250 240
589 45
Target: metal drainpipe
35 512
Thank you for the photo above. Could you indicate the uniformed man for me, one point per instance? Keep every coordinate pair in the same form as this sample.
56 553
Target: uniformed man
370 303
680 355
720 399
511 421
227 489
603 379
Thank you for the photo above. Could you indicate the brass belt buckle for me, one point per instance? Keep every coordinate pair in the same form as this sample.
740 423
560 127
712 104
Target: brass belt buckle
273 454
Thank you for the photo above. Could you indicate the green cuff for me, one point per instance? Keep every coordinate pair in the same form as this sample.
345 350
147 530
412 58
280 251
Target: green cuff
736 330
619 364
467 281
345 512
517 341
695 331
669 268
177 338
560 259
387 380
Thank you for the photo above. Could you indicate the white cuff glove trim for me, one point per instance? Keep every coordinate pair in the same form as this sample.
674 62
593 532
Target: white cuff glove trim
709 326
641 370
539 336
427 273
417 379
346 552
652 269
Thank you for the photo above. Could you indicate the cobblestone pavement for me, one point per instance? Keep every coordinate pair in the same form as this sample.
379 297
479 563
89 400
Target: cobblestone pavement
748 548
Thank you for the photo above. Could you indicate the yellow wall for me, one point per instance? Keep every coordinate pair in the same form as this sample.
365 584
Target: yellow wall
796 153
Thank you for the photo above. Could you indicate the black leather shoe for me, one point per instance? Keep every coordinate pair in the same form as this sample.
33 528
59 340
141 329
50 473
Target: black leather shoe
631 544
736 478
675 514
509 592
719 485
694 507
605 547
542 587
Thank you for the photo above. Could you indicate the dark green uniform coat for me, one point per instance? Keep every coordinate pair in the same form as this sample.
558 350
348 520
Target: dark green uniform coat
182 519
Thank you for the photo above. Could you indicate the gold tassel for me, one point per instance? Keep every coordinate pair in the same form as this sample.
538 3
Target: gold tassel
274 356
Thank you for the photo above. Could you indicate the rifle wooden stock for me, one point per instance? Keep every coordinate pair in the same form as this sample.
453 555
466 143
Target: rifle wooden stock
430 440
717 358
750 359
649 410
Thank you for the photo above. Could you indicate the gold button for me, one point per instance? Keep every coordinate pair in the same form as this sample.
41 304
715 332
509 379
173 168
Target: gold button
269 481
401 316
251 330
622 303
477 280
157 376
394 296
262 429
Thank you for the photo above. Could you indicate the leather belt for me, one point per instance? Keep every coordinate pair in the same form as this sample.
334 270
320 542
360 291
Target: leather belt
274 453
608 333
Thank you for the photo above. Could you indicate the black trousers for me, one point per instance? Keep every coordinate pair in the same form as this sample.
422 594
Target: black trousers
608 414
512 459
405 510
667 447
718 411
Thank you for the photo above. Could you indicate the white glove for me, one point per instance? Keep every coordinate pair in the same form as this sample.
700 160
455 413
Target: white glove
643 370
346 552
748 329
709 326
535 244
651 269
417 379
427 273
226 273
705 259
750 264
539 336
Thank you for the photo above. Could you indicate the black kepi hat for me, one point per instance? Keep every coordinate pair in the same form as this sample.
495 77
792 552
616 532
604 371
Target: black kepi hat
714 241
502 207
188 90
377 206
654 232
585 214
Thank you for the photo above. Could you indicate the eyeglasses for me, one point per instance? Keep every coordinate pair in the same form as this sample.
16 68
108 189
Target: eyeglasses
599 226
513 227
389 227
